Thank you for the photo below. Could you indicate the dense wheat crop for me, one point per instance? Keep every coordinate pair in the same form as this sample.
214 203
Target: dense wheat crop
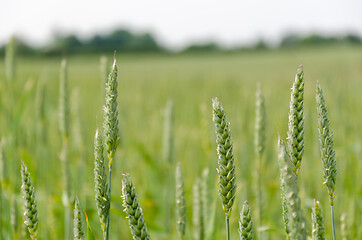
29 132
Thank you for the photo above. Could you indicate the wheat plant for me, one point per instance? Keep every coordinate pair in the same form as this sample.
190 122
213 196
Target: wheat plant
167 149
64 127
167 156
78 224
296 121
226 166
110 127
344 232
197 213
245 223
180 203
133 210
101 185
31 212
259 142
284 205
317 222
291 203
327 151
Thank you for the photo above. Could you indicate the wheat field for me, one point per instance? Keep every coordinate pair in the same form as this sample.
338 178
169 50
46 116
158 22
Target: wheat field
147 84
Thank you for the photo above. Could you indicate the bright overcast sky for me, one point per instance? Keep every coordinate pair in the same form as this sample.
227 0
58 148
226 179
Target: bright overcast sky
177 23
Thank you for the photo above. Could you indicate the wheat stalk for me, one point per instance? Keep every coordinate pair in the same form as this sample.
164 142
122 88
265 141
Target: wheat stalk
133 210
327 151
260 118
78 224
64 100
296 121
295 218
180 202
64 154
317 222
64 129
167 133
226 167
197 213
245 223
284 205
344 231
100 180
167 156
31 212
110 126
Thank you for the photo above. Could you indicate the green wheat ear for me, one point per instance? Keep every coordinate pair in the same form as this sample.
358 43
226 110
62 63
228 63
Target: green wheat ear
101 186
110 124
197 213
326 145
31 212
226 167
245 223
78 224
133 210
344 227
284 204
64 100
317 222
327 151
180 202
64 130
110 127
292 211
167 145
259 142
260 117
296 121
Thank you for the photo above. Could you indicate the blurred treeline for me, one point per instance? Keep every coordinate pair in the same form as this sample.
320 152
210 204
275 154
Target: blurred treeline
123 40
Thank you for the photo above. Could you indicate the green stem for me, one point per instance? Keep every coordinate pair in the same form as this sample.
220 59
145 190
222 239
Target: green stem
227 228
333 224
109 193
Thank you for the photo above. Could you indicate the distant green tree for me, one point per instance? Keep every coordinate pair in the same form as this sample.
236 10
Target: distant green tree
208 47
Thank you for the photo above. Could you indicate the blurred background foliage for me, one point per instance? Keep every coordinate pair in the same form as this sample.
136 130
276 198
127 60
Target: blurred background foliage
125 41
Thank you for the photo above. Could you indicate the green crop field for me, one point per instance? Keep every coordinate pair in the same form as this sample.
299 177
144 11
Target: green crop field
147 84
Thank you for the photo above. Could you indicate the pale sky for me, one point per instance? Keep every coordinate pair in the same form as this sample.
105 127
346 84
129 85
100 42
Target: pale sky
178 23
